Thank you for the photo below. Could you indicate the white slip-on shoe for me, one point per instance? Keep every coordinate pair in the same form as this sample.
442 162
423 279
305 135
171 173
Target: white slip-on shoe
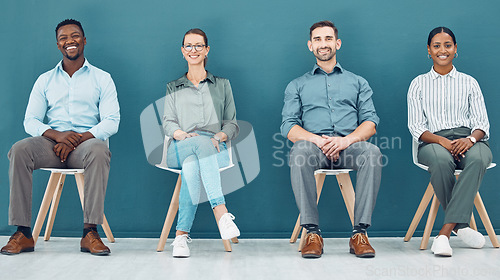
180 244
471 237
441 246
227 227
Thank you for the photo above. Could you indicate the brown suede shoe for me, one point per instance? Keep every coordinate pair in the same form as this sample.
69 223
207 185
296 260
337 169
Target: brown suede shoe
18 243
360 246
313 247
92 243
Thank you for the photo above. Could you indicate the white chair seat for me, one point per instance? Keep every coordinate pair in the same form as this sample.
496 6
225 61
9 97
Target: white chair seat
346 188
429 194
52 196
174 203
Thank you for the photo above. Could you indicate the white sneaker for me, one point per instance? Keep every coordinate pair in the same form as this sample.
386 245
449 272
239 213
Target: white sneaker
471 237
181 249
441 246
227 227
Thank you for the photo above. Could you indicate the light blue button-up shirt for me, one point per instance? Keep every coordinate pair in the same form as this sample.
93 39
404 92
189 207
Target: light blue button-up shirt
333 103
87 101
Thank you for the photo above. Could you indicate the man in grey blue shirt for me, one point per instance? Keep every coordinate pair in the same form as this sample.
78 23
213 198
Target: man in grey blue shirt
329 114
80 104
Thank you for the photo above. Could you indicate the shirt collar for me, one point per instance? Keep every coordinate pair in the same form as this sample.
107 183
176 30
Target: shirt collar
86 64
184 81
316 67
435 75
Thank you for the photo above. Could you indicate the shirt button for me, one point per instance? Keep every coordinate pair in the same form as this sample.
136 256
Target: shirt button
332 110
330 98
329 85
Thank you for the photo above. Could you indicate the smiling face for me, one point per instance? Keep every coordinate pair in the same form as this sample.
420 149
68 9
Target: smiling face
194 56
70 41
442 50
323 43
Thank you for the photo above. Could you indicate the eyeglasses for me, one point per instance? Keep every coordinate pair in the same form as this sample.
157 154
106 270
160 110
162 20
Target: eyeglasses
189 48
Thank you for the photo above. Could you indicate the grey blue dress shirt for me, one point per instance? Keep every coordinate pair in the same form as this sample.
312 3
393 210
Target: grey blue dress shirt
209 107
333 103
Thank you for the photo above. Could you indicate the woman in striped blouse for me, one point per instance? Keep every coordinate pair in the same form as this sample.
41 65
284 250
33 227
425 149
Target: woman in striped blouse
447 114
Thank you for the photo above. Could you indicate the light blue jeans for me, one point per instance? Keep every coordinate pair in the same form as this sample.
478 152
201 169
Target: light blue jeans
200 163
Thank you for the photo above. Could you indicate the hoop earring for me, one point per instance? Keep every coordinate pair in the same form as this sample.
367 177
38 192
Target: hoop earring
429 56
456 55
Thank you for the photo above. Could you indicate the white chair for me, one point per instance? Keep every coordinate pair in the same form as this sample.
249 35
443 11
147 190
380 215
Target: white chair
429 193
52 196
174 203
345 185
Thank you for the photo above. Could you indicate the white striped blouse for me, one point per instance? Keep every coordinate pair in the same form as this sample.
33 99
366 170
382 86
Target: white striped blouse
437 102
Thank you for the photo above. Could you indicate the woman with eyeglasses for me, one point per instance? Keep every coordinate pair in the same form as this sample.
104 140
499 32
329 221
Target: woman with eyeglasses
200 117
447 114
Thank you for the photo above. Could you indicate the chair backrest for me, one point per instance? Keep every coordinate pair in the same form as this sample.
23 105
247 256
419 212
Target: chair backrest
163 163
414 151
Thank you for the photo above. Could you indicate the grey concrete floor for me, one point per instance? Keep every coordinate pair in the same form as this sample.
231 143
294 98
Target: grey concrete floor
60 258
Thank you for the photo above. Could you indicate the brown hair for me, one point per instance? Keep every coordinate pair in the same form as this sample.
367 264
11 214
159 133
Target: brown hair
324 23
200 32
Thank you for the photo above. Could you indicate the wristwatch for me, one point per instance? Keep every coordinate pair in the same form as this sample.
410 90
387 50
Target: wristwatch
217 138
472 139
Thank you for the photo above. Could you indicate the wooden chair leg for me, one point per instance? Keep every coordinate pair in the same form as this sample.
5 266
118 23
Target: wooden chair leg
53 207
473 222
169 220
345 185
227 245
80 184
296 231
320 180
430 223
420 212
302 239
478 202
107 229
44 207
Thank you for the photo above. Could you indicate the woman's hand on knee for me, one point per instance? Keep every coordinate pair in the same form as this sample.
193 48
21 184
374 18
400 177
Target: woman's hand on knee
216 144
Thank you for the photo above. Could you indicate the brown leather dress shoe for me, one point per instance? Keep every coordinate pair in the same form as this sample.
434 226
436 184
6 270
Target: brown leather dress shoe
313 247
92 243
360 246
18 243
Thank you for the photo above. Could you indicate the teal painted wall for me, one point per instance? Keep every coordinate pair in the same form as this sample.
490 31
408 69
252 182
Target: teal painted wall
260 46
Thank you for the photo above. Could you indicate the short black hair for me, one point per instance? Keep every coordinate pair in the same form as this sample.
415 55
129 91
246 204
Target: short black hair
324 23
438 30
70 21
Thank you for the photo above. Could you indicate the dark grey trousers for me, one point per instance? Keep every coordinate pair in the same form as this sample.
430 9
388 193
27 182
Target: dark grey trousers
364 157
33 153
456 196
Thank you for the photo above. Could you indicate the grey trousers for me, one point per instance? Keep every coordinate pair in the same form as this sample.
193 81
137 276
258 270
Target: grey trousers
456 196
33 153
306 157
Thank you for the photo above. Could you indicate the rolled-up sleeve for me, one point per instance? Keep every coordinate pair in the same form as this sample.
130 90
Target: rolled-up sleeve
229 125
417 122
478 113
292 109
109 110
36 110
170 121
366 109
